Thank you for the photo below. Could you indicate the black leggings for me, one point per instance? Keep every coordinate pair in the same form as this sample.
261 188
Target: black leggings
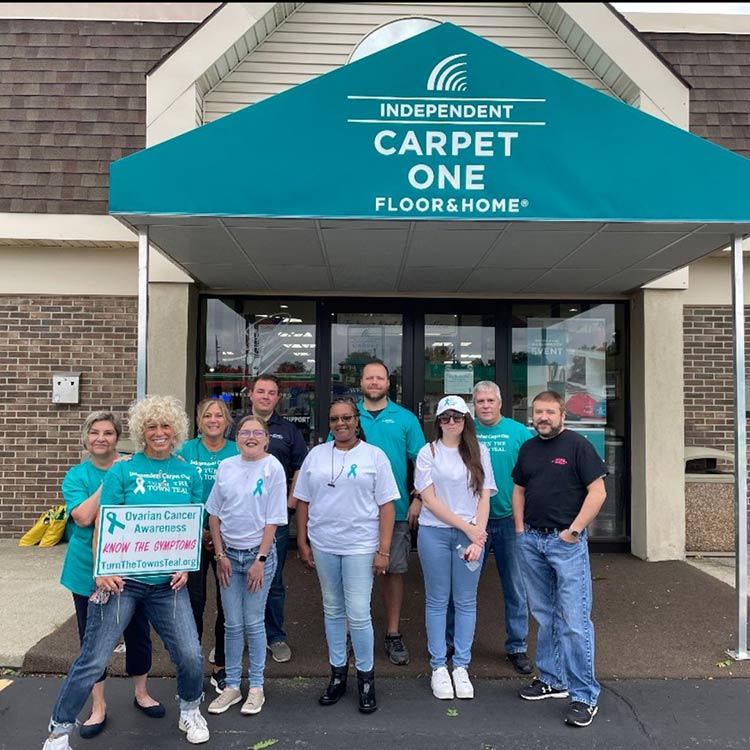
137 638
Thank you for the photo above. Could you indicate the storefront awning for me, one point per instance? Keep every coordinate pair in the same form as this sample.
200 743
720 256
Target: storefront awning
442 164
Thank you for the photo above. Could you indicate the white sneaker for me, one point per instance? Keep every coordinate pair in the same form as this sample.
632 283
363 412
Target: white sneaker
57 743
464 688
227 698
442 687
192 722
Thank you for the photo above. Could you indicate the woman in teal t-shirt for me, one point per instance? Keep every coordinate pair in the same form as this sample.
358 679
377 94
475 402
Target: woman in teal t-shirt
206 452
81 490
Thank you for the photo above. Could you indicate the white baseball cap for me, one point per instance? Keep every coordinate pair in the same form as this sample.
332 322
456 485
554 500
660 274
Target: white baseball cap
448 403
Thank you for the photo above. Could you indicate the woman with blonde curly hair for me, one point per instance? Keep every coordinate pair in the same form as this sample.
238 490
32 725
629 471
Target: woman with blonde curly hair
154 476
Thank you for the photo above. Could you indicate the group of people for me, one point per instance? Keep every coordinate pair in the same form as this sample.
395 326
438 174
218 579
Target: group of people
483 484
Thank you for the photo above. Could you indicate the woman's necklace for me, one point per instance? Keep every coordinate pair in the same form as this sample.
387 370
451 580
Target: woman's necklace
333 481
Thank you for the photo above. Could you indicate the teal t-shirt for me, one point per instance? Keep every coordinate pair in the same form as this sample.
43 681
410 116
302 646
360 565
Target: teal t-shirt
503 442
150 481
80 483
397 432
206 461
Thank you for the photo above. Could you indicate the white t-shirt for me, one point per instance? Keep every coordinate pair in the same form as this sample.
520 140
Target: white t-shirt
450 477
247 496
345 519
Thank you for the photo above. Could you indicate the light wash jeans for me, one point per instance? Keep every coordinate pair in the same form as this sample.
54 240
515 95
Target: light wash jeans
277 592
446 576
558 584
346 586
501 539
170 615
244 615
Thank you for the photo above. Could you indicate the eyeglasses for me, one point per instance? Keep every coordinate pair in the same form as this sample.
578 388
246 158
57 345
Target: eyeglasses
251 433
457 418
346 418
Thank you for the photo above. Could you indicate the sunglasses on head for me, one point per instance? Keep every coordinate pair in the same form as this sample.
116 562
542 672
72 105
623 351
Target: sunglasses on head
451 415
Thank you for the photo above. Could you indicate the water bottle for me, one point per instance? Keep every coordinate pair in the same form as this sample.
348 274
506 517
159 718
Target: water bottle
472 565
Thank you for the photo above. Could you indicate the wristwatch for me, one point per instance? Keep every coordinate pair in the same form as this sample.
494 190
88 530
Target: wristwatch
262 558
575 534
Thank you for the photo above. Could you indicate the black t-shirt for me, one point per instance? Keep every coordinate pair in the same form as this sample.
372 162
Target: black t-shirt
555 474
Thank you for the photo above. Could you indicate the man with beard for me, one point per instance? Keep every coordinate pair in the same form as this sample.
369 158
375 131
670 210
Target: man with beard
397 432
558 492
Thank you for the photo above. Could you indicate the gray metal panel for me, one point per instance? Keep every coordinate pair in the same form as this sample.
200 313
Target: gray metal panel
382 246
433 279
194 244
218 276
280 246
535 247
618 249
450 246
299 277
497 280
365 278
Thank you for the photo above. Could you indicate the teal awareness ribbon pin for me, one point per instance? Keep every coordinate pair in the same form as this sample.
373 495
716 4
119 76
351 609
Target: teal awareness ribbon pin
113 522
352 471
258 488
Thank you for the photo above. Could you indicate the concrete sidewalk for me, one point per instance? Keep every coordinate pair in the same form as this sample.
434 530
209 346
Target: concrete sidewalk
34 604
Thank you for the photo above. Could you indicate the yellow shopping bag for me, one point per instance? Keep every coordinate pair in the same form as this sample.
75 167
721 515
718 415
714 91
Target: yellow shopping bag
55 527
48 529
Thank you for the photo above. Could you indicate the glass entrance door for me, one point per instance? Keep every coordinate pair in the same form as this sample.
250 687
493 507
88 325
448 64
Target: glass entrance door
458 351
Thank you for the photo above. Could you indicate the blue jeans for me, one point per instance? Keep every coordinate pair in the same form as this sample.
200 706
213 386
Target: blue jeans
243 616
446 576
346 586
501 539
277 593
137 637
196 586
170 615
558 584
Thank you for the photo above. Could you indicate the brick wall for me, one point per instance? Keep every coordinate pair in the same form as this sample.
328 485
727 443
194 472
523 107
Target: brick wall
709 376
39 441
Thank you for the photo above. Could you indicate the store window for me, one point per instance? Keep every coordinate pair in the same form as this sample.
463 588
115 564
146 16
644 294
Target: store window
247 337
577 350
359 338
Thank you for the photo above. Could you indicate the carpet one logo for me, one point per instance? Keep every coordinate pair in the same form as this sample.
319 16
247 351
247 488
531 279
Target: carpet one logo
445 142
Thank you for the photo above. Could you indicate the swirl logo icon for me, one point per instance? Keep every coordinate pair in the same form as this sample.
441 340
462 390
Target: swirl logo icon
450 74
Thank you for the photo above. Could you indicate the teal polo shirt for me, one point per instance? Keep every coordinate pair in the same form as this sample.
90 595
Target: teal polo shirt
503 441
397 432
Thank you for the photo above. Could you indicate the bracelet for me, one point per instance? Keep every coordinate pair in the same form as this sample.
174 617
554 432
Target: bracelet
383 554
220 556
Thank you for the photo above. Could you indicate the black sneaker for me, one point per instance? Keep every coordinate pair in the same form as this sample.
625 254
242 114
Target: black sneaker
539 690
580 715
521 662
397 652
219 681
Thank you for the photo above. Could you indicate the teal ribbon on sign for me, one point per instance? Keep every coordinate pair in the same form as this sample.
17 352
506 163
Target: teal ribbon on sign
352 471
258 488
113 522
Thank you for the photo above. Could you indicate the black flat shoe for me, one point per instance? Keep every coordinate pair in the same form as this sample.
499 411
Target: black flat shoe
154 712
87 731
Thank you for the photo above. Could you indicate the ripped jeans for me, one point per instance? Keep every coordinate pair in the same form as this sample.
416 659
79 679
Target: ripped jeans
171 617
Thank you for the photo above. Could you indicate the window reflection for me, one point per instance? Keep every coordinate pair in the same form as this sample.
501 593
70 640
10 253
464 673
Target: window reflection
262 336
574 349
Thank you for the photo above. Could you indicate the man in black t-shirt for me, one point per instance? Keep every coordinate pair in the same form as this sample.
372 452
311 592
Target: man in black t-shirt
558 492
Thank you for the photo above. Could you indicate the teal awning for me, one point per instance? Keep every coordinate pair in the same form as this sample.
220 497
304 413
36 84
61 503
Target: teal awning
444 131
